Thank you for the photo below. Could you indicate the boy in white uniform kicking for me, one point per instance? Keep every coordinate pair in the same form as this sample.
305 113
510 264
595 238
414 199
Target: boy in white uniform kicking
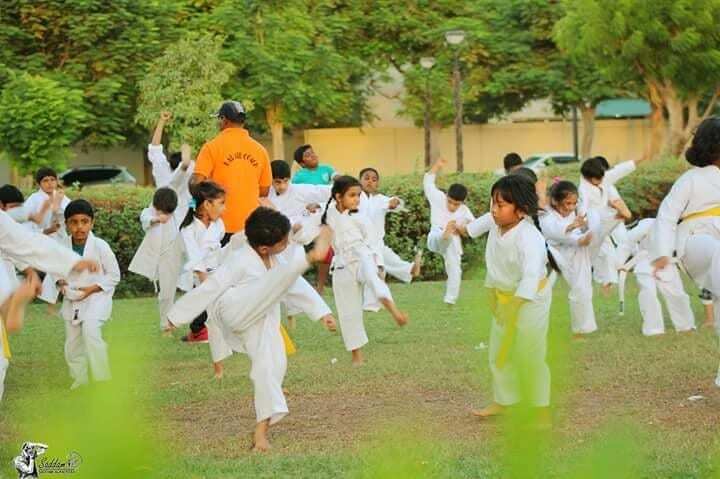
447 213
246 308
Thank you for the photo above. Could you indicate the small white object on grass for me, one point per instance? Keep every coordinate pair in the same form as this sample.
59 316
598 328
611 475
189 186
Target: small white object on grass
480 347
696 397
333 360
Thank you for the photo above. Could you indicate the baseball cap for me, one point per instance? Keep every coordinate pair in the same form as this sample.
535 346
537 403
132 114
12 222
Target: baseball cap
232 110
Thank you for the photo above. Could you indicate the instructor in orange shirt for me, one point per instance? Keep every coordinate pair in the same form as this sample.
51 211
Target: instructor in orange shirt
237 163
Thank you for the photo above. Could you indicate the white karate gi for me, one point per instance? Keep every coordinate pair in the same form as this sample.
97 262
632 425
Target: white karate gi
450 249
516 263
667 280
376 207
178 179
596 198
358 256
576 268
84 345
4 359
160 258
242 298
33 204
203 252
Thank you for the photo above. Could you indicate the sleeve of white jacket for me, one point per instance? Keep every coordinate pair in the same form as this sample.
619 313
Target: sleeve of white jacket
555 232
146 217
37 250
111 269
160 167
480 226
618 172
432 193
662 239
319 194
533 256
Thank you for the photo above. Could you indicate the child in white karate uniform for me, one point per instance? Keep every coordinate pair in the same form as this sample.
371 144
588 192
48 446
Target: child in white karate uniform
45 207
376 206
688 221
447 213
87 297
597 192
243 298
159 257
202 231
358 257
520 295
667 280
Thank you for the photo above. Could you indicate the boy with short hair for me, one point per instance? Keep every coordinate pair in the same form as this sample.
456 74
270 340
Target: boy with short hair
159 257
242 298
448 217
311 171
45 207
512 162
87 296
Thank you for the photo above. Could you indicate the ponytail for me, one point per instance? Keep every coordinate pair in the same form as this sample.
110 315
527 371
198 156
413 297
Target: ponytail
323 218
551 259
201 192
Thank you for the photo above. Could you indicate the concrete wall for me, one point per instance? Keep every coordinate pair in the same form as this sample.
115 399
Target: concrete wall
400 150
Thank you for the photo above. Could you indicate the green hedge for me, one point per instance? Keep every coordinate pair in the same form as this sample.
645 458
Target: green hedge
118 209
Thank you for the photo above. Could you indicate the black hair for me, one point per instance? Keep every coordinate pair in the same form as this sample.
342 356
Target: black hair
365 170
201 192
280 170
520 191
526 172
457 192
299 152
10 194
511 160
266 227
560 190
603 162
44 172
175 159
79 207
705 147
591 168
339 187
165 199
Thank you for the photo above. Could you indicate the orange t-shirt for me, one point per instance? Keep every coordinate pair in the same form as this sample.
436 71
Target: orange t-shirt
241 166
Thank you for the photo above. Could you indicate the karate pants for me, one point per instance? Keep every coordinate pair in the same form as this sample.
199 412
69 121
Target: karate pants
303 298
451 251
525 376
84 346
676 300
395 266
4 364
168 275
348 284
578 275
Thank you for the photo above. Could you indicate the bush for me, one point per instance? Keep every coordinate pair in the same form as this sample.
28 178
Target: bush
118 210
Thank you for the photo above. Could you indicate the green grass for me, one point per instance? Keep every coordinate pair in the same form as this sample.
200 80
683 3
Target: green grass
619 401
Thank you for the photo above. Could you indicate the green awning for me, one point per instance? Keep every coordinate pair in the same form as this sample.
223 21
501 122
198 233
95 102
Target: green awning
623 108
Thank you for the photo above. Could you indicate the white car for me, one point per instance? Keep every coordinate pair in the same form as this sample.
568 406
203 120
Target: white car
541 161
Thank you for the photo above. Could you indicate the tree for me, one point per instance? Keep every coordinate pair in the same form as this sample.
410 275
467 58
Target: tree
186 80
39 120
289 64
96 46
670 47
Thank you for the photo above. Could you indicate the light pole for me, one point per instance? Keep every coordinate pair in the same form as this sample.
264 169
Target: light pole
454 38
427 63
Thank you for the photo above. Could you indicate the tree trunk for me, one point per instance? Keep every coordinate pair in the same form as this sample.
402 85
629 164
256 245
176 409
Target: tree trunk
274 121
587 113
676 117
435 129
658 128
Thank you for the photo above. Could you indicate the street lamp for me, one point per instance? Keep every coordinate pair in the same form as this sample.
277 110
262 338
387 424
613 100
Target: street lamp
454 38
427 63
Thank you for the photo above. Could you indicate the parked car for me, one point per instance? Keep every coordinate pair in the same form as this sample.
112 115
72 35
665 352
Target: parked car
97 175
540 161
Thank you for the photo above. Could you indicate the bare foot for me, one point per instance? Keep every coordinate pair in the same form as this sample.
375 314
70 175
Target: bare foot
219 370
260 437
493 409
261 446
417 264
400 318
357 358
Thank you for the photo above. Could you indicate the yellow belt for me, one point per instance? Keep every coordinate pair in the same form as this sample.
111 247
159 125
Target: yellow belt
4 340
714 211
503 298
290 348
